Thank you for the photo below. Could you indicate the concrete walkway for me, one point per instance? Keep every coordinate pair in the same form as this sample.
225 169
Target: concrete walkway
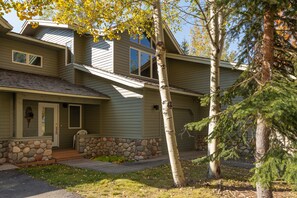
108 167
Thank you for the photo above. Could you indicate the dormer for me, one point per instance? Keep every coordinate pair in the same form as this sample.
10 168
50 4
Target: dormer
4 26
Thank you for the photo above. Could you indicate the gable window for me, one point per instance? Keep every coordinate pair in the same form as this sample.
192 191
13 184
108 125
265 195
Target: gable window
143 64
74 116
26 58
68 53
143 40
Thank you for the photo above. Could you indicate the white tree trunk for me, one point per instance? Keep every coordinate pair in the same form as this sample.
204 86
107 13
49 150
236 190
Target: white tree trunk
176 168
217 34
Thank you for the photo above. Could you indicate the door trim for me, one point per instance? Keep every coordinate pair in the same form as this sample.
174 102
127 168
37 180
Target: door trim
56 133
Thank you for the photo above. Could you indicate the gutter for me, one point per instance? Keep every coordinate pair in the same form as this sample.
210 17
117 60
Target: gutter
51 93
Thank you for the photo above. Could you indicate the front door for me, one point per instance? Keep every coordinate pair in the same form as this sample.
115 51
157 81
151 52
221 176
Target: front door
48 121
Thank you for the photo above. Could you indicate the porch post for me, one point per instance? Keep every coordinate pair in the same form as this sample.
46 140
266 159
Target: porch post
18 116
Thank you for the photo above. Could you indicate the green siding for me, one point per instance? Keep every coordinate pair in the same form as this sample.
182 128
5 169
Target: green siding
122 115
31 129
195 76
50 57
6 114
91 116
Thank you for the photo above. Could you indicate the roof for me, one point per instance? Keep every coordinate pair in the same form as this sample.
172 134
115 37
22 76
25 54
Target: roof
5 24
32 83
204 60
34 40
132 82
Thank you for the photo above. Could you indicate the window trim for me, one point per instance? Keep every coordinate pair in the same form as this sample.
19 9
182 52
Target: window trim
139 62
27 59
139 42
80 116
66 52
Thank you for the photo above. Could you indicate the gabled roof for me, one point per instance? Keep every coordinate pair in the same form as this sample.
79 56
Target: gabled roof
32 83
204 60
132 82
34 40
28 30
4 24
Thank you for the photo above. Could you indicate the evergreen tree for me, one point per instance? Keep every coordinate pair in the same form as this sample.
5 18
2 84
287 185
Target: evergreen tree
268 89
185 46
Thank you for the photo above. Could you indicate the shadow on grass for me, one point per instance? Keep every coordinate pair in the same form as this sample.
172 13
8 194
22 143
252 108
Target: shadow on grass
153 181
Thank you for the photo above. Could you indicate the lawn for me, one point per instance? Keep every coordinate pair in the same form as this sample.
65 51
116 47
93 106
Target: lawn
154 182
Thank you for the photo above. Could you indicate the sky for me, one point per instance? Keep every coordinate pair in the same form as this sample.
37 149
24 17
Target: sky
17 24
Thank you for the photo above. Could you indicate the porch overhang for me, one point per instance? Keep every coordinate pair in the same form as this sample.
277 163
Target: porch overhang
13 81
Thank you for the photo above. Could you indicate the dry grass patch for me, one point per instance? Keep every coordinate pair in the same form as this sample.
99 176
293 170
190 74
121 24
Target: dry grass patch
154 182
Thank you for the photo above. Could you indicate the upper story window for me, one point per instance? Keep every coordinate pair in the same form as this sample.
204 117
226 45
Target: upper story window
143 64
68 53
143 40
26 58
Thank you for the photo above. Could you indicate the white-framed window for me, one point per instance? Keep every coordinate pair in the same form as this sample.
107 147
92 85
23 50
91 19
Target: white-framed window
143 63
143 40
25 58
74 116
68 52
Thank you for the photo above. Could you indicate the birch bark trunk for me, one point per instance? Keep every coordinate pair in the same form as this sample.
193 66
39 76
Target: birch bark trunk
217 33
263 131
167 111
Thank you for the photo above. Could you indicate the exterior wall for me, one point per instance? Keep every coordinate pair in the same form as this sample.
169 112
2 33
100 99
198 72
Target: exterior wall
31 129
6 115
133 149
55 35
195 76
185 109
29 150
92 118
122 116
100 54
3 150
50 56
122 54
80 48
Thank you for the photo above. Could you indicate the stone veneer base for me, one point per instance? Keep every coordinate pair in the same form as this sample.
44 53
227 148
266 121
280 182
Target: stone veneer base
24 150
132 149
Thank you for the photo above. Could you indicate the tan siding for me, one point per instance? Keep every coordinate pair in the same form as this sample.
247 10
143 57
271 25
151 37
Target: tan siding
31 129
66 72
50 63
56 35
122 114
79 48
6 114
100 54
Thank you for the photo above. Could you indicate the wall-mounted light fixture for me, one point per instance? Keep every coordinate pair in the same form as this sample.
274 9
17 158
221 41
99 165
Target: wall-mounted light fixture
156 107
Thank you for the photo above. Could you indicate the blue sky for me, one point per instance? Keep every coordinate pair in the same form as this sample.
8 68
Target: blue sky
17 24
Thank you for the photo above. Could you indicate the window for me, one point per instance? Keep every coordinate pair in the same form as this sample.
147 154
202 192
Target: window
74 116
143 40
143 64
26 58
68 53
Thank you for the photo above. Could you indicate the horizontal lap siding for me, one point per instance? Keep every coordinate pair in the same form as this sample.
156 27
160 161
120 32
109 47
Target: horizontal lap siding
6 114
50 57
79 46
92 120
122 115
30 129
122 54
55 35
100 54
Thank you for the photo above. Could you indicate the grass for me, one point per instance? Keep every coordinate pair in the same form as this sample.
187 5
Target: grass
154 182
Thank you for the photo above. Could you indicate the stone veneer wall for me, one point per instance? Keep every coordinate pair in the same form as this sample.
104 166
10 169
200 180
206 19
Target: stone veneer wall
132 149
24 150
200 142
3 150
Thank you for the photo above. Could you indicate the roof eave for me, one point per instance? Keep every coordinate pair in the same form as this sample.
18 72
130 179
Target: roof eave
5 24
51 93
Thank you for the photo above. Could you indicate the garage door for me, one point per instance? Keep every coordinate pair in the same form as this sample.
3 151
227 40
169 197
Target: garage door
184 141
